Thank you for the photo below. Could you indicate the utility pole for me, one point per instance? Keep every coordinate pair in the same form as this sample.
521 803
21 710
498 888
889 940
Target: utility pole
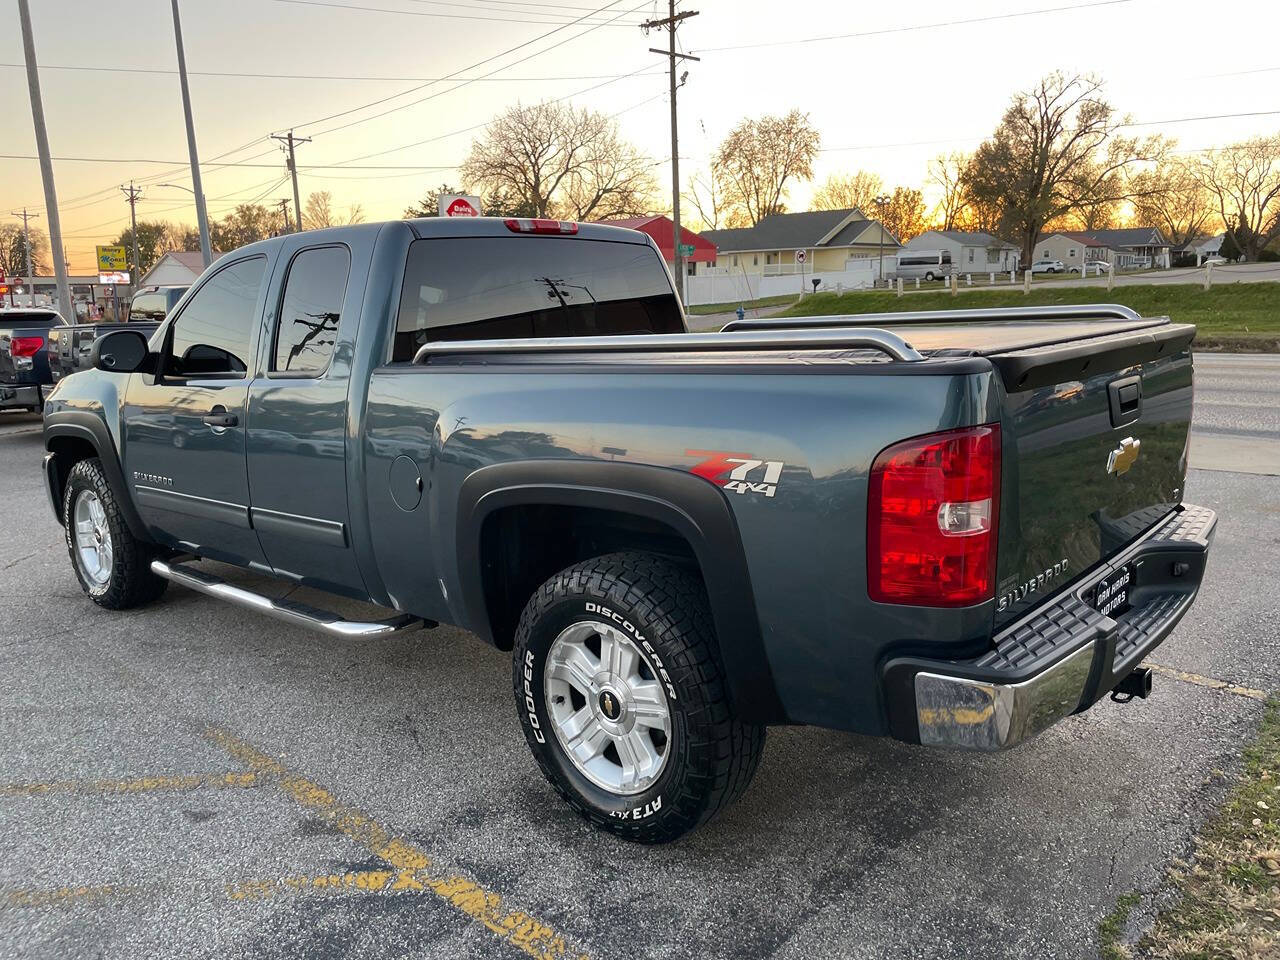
881 202
202 216
133 194
46 166
290 140
670 23
283 204
26 242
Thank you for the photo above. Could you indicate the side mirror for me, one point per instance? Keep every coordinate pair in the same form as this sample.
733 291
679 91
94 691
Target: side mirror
121 351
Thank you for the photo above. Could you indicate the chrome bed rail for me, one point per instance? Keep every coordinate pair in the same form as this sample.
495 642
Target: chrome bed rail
1084 311
787 339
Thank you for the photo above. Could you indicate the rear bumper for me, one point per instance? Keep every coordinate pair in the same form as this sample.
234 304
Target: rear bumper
19 395
1059 659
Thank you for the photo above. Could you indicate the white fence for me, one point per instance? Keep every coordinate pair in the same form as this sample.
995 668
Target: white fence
729 287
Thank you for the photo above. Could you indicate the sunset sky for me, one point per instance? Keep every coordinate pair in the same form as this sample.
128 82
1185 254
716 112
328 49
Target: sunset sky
886 99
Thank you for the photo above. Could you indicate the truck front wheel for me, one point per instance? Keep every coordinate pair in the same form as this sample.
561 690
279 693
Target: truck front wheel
622 697
112 565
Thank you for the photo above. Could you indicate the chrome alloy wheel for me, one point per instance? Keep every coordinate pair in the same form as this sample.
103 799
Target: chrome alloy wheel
93 538
608 708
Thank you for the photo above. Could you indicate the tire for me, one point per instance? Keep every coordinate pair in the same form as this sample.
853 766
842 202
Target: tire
651 607
928 277
120 576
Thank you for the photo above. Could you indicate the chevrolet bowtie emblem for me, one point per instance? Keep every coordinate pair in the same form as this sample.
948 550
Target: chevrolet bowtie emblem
1124 456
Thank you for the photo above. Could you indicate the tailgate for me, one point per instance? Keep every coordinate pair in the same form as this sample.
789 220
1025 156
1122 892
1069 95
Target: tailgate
1091 462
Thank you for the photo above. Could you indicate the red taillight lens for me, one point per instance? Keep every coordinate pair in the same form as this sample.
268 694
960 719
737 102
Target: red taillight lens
25 346
932 517
534 225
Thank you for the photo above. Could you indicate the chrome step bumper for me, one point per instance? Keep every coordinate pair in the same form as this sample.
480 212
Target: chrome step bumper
287 610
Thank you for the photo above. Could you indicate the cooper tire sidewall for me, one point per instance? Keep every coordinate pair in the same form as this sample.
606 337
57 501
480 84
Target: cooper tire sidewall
537 722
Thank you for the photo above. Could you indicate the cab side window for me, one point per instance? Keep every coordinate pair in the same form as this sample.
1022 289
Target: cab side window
309 313
213 336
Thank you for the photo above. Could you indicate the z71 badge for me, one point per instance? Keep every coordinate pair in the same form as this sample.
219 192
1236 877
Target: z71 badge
746 474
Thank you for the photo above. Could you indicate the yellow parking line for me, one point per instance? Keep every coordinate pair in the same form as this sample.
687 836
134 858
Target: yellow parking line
235 778
409 863
1210 682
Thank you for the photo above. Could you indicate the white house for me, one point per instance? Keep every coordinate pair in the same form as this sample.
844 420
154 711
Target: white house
970 252
1200 248
178 268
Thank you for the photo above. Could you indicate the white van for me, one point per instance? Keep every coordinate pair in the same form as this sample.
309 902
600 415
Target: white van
926 264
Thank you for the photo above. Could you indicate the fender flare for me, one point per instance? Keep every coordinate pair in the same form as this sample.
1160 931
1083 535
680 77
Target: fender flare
691 506
84 425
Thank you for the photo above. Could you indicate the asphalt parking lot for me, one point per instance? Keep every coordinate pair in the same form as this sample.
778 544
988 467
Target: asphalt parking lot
190 780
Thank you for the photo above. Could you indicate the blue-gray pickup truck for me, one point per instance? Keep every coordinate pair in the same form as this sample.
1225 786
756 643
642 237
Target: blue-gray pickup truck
950 528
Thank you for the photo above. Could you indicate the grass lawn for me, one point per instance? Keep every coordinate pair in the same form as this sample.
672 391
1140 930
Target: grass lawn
1231 310
706 308
1230 903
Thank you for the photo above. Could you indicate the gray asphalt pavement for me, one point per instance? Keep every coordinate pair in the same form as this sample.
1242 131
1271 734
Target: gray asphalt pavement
190 780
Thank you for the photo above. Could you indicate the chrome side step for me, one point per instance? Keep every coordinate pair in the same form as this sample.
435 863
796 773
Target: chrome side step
289 611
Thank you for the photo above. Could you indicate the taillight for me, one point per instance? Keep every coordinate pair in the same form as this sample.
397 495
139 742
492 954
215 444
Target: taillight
25 346
933 506
534 225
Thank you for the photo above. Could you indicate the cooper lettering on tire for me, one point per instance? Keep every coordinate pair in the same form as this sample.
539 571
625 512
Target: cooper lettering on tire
622 697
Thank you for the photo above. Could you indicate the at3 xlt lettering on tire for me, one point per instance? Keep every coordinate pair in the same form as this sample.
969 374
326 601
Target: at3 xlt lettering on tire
621 694
113 566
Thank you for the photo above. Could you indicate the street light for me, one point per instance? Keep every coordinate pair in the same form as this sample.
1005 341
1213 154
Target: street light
881 201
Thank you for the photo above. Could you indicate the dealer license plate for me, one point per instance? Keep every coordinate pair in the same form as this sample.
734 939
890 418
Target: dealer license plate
1110 596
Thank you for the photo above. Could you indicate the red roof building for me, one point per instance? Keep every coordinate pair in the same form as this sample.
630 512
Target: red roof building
662 230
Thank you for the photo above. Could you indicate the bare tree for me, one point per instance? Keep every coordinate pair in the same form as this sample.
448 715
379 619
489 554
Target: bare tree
1056 147
947 173
13 251
1169 196
760 157
849 190
554 160
1244 181
319 213
708 196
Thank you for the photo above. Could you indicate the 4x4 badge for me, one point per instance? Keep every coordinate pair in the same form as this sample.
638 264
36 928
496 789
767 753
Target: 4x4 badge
1124 456
739 467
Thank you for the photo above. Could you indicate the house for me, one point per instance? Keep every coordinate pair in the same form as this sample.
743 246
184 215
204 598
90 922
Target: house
1195 251
1073 248
829 239
178 268
1136 248
971 252
662 230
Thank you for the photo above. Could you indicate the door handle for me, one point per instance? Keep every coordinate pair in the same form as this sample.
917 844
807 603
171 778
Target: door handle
218 417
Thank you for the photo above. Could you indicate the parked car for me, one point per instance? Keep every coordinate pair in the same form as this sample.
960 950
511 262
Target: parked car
951 533
1048 266
24 356
923 264
1214 262
70 347
1093 268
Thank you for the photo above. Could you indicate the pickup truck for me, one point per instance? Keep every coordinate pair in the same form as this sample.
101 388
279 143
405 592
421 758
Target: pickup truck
951 528
70 346
24 356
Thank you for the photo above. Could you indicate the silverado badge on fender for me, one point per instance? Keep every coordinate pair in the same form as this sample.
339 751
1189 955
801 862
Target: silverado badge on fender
1124 456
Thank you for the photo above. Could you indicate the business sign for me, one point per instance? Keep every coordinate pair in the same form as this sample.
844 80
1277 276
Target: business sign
111 259
686 249
800 255
459 205
108 277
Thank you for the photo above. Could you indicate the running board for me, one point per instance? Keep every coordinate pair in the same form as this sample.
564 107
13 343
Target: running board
289 611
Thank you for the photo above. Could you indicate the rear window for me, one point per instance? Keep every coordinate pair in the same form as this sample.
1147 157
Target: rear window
488 288
149 306
30 318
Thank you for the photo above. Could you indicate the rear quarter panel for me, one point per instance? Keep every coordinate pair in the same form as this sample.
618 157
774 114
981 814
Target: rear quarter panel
805 545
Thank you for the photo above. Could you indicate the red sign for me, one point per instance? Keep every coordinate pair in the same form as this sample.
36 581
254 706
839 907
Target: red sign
461 207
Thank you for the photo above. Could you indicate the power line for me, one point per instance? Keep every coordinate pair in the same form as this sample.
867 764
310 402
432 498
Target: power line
919 26
156 71
428 13
263 166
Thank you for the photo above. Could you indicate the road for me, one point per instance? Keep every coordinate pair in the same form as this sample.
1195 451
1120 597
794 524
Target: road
190 780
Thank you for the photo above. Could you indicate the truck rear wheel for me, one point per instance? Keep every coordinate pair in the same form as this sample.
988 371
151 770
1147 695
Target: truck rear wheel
113 566
622 697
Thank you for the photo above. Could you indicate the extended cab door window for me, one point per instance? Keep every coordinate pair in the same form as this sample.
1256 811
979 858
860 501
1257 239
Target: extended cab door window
307 323
485 288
